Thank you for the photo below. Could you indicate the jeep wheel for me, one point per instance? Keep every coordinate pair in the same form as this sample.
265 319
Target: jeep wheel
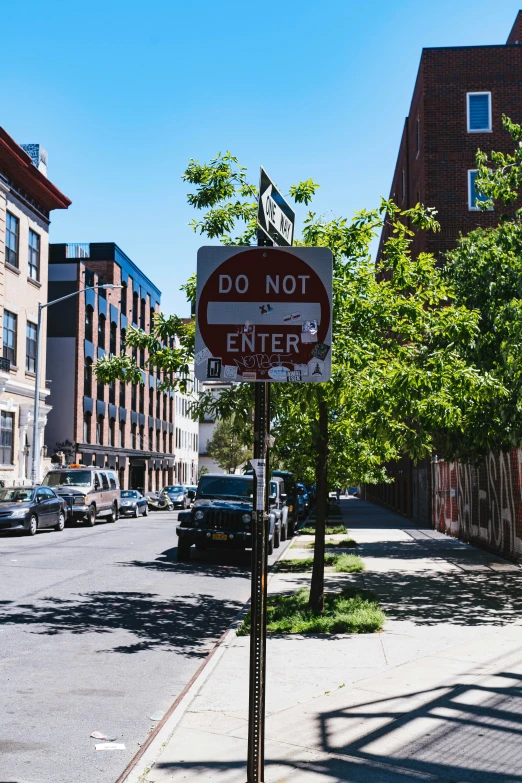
283 532
183 550
277 537
90 518
271 546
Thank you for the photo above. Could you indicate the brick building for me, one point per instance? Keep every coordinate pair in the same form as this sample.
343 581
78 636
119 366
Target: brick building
459 98
27 199
136 429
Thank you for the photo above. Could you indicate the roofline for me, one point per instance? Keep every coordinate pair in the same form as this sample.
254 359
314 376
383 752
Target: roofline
478 46
54 197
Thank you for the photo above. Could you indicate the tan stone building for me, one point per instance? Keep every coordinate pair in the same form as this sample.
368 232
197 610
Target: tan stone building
26 201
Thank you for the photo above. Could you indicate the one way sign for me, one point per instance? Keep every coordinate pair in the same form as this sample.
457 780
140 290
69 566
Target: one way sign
274 216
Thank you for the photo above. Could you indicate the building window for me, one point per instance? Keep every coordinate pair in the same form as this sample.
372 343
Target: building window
123 303
122 394
170 443
142 439
164 442
122 341
112 428
99 430
87 378
122 435
152 311
151 438
473 195
30 347
133 397
135 306
151 401
34 255
10 337
479 112
112 392
12 232
100 391
133 436
113 339
86 427
142 398
142 314
6 438
88 323
101 331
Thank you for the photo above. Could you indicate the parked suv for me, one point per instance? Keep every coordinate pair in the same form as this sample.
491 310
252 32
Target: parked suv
222 516
89 492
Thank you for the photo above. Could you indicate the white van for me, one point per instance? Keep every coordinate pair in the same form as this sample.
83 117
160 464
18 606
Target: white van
89 492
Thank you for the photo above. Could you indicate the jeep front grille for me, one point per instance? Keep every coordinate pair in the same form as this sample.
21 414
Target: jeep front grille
223 520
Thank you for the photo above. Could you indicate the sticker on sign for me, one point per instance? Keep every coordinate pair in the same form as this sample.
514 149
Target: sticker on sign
264 313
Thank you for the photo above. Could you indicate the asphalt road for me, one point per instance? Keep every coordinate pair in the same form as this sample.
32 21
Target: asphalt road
101 628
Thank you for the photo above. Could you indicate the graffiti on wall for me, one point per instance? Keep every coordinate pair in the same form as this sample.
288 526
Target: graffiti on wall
481 505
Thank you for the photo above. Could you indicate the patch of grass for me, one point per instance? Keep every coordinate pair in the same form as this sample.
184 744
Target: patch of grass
349 564
331 530
349 611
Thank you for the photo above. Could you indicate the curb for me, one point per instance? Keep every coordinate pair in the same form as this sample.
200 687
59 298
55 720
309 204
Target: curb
145 758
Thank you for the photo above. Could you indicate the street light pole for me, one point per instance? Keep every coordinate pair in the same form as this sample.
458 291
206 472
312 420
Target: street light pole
36 403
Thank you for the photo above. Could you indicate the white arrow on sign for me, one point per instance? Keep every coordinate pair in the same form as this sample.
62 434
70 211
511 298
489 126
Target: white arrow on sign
275 216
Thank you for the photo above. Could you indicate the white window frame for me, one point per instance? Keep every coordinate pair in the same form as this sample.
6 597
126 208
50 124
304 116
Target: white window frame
479 130
471 206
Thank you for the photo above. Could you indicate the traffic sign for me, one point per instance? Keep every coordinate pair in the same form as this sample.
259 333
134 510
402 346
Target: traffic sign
264 314
274 216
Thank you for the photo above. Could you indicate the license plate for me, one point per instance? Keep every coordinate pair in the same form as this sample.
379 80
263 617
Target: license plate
219 536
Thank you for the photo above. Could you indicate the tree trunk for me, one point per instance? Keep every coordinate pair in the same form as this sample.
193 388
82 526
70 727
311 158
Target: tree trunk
316 601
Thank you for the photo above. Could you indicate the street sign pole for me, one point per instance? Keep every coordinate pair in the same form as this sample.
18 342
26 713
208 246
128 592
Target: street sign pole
257 681
258 591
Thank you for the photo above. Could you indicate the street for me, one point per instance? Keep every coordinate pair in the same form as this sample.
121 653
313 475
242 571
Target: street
101 629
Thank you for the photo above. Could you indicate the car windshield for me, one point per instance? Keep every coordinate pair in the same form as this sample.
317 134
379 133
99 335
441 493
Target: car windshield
173 489
16 495
225 487
68 478
129 493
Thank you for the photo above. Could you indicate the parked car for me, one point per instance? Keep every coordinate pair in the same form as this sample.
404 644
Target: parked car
178 495
88 491
303 493
132 503
292 498
221 516
31 508
191 492
277 503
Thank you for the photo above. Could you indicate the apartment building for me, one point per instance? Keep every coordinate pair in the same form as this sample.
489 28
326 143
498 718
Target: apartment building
27 199
459 98
130 428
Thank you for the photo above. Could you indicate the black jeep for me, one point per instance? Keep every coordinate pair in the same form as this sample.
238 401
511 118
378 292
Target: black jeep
221 516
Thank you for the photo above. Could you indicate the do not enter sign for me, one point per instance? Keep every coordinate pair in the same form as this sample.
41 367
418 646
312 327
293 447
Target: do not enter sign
264 314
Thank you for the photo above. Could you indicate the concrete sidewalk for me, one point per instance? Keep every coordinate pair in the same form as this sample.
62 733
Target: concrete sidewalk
436 697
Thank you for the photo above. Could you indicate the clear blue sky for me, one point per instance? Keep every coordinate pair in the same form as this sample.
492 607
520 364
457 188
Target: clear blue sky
123 94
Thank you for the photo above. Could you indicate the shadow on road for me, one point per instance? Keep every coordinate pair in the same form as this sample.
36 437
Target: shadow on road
219 564
186 624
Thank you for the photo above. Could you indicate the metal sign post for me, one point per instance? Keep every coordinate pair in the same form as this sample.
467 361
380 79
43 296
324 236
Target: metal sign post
257 678
263 314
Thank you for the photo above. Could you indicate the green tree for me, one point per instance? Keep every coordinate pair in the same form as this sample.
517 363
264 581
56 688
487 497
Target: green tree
227 446
402 380
485 271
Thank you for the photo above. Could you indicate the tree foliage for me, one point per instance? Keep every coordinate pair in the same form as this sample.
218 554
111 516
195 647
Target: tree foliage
227 445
